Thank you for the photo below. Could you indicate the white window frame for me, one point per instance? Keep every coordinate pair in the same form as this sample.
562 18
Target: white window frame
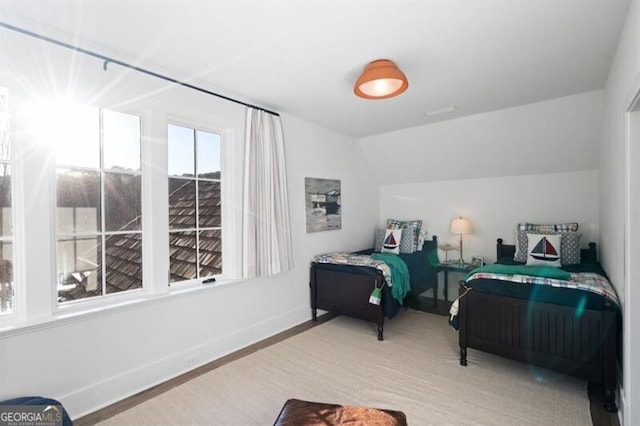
197 228
103 234
11 238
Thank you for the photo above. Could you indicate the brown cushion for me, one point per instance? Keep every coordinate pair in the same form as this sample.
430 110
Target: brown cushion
297 413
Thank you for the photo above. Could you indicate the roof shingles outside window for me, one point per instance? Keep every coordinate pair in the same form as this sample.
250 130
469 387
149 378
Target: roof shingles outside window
124 251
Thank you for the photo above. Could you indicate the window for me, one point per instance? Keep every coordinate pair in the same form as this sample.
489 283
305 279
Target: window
84 182
98 190
7 302
195 219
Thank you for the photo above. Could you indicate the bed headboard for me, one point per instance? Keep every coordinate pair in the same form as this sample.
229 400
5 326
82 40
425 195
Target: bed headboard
508 250
431 244
504 250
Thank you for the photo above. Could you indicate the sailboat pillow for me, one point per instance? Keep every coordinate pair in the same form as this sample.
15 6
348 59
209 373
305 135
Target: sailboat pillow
553 228
391 242
406 241
544 249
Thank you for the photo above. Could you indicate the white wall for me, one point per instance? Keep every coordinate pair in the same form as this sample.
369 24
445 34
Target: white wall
534 163
622 84
90 360
313 151
494 206
553 136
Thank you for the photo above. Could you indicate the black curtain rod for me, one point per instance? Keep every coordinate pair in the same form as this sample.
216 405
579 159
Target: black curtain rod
108 60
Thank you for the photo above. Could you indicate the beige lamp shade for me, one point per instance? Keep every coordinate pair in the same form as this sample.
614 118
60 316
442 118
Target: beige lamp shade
381 79
460 225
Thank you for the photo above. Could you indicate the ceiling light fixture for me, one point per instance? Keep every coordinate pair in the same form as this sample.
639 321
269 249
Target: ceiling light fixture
381 79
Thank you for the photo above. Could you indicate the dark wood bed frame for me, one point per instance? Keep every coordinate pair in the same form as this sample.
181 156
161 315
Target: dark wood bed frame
542 334
346 293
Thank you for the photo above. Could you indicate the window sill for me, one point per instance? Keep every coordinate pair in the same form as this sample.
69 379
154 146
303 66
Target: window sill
194 285
81 312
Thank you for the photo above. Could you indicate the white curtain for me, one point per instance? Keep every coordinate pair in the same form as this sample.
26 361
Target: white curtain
266 245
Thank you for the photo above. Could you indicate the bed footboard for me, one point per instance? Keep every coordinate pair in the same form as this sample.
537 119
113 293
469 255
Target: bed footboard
347 294
582 344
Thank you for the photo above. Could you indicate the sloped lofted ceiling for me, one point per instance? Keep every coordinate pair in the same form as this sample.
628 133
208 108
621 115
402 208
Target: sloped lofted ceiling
302 57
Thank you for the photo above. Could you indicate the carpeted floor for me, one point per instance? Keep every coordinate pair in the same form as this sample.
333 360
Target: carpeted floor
414 370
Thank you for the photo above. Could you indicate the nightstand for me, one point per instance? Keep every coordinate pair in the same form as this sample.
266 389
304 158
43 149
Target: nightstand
461 268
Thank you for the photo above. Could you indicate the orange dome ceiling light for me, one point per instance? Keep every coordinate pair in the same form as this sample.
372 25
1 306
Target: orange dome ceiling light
381 79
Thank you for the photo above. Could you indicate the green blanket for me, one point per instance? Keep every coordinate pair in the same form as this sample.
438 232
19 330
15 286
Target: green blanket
533 270
399 274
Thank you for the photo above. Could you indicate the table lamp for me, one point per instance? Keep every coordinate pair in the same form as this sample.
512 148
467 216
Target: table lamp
460 226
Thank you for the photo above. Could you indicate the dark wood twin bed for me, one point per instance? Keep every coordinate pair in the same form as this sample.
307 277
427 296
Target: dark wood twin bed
562 329
345 289
559 329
